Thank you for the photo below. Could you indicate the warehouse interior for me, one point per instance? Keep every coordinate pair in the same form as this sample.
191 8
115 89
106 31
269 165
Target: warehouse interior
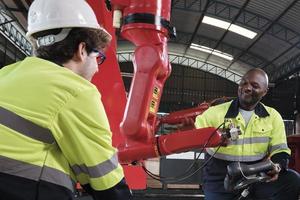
208 62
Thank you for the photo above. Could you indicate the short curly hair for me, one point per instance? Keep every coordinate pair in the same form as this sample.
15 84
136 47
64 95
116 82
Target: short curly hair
63 51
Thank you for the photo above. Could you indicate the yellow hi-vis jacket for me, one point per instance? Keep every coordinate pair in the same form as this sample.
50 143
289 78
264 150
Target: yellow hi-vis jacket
53 127
263 137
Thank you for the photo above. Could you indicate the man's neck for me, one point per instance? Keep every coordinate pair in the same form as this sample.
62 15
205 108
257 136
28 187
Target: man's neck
247 107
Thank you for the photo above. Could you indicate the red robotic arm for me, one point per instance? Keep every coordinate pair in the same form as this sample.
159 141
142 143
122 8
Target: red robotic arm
146 25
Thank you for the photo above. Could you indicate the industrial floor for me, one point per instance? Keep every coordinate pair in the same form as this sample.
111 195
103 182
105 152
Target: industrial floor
168 194
161 194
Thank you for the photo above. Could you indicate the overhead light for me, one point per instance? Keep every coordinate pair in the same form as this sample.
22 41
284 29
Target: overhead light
226 25
211 51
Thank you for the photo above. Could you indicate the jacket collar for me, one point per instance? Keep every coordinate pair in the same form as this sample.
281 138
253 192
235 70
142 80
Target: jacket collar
233 110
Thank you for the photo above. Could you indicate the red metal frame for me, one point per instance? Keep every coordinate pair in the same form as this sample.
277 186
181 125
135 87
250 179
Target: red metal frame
180 116
294 145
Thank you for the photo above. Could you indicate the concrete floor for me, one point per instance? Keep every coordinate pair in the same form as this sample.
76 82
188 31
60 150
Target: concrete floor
168 194
160 194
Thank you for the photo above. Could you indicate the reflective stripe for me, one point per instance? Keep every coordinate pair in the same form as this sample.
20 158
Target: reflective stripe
25 127
34 172
253 140
244 158
57 177
98 170
278 147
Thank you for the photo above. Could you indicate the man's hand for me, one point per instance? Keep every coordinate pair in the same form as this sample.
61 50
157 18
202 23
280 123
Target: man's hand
187 123
225 140
274 173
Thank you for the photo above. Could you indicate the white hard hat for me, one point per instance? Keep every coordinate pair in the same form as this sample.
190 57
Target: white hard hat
52 14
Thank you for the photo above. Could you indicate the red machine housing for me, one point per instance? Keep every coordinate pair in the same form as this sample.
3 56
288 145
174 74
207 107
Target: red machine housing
294 145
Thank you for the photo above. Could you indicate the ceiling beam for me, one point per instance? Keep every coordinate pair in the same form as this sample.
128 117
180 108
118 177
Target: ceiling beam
249 58
194 62
197 26
270 25
17 38
226 32
21 8
270 66
287 69
246 19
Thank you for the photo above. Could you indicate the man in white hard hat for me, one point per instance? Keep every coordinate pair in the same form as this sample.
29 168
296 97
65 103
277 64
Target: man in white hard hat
53 127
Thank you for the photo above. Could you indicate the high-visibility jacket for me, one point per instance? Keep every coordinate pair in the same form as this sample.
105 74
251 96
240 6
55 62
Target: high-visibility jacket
263 137
53 129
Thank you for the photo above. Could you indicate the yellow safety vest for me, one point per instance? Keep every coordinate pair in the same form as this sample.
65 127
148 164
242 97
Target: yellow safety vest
263 137
53 127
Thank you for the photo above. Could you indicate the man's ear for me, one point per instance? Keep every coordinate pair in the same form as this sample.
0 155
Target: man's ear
81 53
266 91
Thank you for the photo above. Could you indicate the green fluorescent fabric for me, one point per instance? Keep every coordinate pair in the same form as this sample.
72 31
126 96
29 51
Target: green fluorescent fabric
56 99
263 137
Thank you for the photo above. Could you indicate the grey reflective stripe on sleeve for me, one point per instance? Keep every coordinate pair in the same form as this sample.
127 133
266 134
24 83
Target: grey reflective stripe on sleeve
97 170
253 140
34 172
25 127
244 158
278 147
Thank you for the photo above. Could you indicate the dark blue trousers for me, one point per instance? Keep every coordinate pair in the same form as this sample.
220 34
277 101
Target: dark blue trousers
286 187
